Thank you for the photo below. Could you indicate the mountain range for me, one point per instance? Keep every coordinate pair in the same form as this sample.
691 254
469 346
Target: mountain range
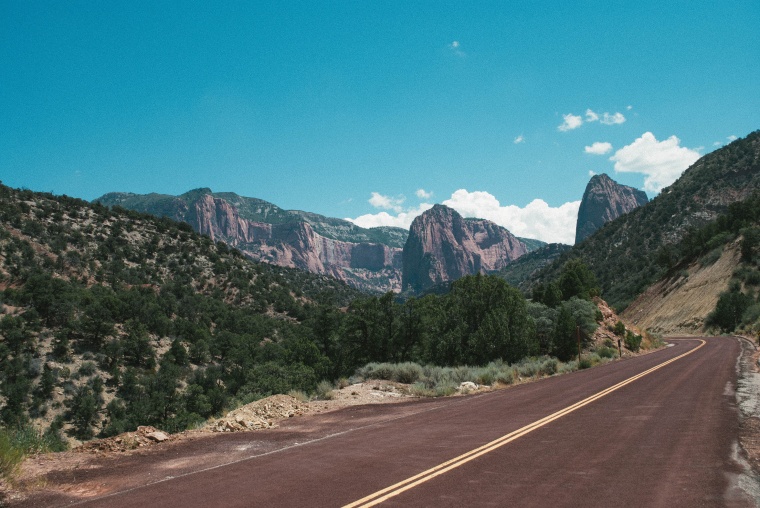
111 318
621 234
368 259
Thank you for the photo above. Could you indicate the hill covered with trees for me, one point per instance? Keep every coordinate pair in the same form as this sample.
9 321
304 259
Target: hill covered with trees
112 319
635 250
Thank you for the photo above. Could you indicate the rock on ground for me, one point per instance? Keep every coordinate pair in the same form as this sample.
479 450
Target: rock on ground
262 414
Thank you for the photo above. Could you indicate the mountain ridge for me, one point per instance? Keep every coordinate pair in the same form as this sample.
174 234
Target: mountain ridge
605 200
369 259
624 253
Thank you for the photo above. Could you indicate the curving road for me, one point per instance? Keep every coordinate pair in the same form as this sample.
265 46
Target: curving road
656 430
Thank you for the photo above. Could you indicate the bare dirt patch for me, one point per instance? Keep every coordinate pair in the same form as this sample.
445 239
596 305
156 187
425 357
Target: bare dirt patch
680 304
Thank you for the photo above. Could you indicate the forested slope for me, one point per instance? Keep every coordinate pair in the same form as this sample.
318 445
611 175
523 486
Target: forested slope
632 252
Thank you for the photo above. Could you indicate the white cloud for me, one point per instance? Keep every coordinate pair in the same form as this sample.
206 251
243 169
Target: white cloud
387 202
591 172
402 219
536 220
570 122
423 194
629 107
732 138
608 119
661 161
519 139
455 48
717 143
599 148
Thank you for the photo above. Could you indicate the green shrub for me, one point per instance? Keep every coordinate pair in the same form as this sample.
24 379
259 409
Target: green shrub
711 257
594 358
528 367
15 444
376 371
421 390
505 376
567 367
299 395
606 352
632 341
463 373
485 377
585 363
11 455
406 373
325 390
752 278
549 367
445 389
87 369
655 340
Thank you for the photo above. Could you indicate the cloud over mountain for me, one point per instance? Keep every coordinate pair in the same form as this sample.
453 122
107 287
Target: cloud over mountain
661 161
536 220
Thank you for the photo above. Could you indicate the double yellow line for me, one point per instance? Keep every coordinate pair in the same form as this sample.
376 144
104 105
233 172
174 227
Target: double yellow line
402 486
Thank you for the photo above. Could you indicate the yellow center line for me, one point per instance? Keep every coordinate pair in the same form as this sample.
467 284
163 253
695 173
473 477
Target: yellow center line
411 482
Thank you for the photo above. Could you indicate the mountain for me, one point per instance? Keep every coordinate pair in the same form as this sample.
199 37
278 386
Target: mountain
603 201
443 246
368 259
712 280
110 319
630 253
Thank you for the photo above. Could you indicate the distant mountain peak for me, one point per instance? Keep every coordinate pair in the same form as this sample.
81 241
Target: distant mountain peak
603 201
443 246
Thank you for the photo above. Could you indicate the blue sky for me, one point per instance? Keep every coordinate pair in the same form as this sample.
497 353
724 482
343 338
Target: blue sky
374 109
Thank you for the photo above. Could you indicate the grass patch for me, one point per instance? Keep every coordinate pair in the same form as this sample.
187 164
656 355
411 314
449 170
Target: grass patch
17 443
606 352
325 390
434 381
11 456
299 395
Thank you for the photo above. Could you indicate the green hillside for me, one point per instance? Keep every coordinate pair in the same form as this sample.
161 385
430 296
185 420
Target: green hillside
624 253
112 319
175 207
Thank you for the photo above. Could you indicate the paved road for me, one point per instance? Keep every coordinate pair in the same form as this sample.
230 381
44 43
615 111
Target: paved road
616 435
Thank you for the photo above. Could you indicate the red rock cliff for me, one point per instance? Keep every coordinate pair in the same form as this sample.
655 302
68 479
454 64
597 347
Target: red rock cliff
297 245
443 246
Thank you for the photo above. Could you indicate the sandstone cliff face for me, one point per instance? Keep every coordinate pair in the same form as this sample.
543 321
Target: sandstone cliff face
367 266
443 246
603 201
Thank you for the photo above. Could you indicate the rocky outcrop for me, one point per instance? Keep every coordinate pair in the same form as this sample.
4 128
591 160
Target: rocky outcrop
605 200
265 232
443 246
368 266
368 259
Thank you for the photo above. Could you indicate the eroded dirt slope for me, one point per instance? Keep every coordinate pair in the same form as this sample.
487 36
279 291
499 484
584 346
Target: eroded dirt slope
680 304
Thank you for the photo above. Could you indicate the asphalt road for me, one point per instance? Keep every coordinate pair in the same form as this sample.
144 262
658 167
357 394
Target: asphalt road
657 430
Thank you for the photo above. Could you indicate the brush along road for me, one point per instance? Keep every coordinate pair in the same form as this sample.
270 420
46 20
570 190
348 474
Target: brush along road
656 430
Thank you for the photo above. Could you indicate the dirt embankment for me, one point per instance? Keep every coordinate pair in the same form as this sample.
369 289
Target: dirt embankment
680 304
